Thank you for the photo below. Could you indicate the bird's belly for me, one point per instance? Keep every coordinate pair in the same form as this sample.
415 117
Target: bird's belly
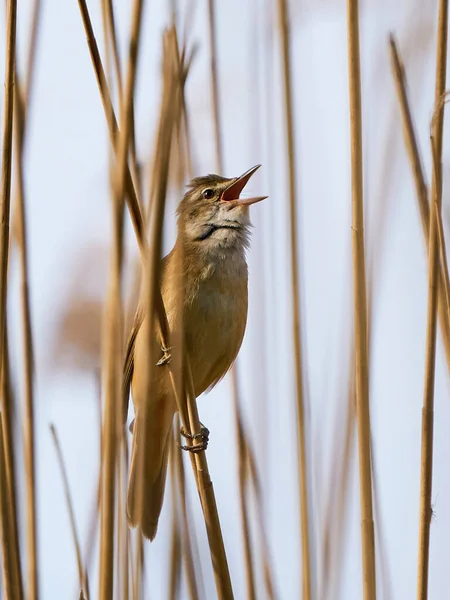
215 342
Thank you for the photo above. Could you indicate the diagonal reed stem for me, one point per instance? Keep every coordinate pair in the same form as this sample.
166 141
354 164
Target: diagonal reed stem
81 573
433 262
360 306
296 318
421 190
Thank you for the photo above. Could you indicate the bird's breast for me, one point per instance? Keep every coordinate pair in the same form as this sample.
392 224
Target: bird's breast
215 319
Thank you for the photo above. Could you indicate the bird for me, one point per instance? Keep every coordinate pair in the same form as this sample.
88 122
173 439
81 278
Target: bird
209 258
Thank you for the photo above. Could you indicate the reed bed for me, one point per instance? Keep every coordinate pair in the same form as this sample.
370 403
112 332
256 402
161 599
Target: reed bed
280 520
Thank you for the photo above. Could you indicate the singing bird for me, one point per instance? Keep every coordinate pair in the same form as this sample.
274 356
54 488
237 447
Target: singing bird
209 258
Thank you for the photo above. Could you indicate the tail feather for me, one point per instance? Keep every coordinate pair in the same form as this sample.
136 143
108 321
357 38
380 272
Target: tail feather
154 480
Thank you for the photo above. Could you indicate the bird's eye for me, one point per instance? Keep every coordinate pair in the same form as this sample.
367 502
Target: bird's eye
208 193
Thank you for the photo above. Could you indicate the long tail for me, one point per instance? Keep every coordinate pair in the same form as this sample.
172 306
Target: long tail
146 495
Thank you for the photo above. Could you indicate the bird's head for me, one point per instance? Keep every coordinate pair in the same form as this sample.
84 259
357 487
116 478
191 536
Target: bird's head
212 213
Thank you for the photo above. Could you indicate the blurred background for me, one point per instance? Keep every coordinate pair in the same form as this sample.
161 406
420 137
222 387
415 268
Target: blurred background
69 223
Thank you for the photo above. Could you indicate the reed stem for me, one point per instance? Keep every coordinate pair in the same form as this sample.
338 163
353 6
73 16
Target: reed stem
295 291
360 307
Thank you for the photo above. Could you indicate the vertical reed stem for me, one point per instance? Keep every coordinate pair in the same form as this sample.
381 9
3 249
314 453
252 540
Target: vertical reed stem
7 138
426 462
360 306
296 318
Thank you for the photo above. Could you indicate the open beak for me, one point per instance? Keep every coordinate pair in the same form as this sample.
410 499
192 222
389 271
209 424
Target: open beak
232 193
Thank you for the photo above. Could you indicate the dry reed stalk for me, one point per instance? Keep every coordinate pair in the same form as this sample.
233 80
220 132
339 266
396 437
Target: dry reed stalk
433 261
175 552
242 478
296 318
112 387
421 190
267 568
337 501
187 539
113 370
215 83
82 578
437 170
211 515
360 306
133 201
8 414
21 99
12 579
137 579
28 420
93 523
109 28
111 42
10 576
7 140
122 552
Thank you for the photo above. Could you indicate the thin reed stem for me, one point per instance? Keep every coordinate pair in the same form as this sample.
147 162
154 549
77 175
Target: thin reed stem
421 189
360 307
242 478
21 100
267 568
426 463
336 517
115 318
441 236
133 201
70 510
8 410
10 576
296 317
187 538
7 141
433 261
175 550
215 84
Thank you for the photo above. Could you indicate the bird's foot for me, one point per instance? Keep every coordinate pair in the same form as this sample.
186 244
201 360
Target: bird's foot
203 436
165 358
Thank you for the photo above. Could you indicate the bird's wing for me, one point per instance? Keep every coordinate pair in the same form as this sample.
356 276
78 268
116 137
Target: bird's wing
128 367
129 361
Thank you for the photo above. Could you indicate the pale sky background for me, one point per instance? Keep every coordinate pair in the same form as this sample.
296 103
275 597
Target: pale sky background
68 213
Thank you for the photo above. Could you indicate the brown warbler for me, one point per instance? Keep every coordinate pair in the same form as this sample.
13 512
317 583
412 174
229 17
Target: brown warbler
209 259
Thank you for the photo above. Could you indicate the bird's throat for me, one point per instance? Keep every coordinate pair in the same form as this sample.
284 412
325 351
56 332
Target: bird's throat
211 228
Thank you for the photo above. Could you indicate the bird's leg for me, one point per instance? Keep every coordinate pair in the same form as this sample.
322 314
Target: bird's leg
203 436
165 358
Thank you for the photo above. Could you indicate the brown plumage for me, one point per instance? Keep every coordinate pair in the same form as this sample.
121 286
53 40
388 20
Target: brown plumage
209 257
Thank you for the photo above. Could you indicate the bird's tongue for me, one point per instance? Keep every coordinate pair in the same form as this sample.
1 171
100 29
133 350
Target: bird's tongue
232 193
